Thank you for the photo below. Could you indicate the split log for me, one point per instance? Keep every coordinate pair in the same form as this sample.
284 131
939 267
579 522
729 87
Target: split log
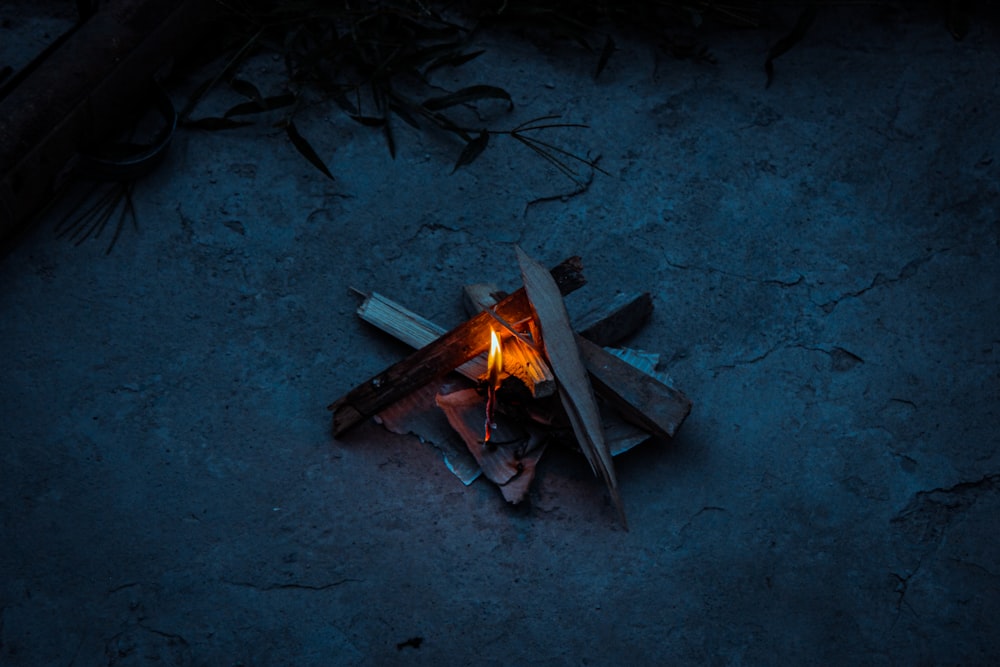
440 357
639 397
610 322
414 330
519 359
575 390
478 296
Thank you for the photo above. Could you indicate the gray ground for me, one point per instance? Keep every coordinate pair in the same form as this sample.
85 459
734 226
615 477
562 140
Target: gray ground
824 257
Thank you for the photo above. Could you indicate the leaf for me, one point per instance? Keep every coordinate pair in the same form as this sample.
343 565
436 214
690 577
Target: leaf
958 19
390 139
468 95
214 123
340 97
785 44
203 88
445 124
472 150
265 104
404 113
303 147
454 60
428 54
246 89
243 109
368 121
609 48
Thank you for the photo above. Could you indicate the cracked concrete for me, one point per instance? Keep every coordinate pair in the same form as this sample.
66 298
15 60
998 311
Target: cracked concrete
824 258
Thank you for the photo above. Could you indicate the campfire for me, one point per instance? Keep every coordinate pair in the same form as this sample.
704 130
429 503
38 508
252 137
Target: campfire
534 380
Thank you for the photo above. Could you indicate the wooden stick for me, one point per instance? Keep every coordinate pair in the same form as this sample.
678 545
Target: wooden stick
639 397
478 296
609 322
439 357
414 330
519 359
575 390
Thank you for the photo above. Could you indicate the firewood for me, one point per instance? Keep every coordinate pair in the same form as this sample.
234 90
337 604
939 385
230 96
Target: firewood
414 330
638 396
440 357
519 359
575 390
477 296
636 390
609 322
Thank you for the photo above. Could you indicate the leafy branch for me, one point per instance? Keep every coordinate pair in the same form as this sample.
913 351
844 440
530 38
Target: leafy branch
373 61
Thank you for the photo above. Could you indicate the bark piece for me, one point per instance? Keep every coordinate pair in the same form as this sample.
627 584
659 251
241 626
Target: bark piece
440 357
419 415
510 457
575 390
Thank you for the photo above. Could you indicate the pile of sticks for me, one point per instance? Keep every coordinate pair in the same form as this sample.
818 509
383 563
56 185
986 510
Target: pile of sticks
547 356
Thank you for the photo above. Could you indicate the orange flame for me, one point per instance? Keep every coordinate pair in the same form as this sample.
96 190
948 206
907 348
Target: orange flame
494 362
494 365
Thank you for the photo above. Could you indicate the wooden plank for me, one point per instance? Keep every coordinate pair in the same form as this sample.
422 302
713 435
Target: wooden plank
414 330
610 322
639 397
440 357
575 390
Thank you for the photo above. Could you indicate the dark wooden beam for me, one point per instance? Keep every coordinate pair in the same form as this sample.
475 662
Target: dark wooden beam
440 357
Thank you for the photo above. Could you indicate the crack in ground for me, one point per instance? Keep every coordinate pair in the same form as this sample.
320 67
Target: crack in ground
289 586
752 360
124 644
753 279
902 585
433 227
163 633
930 512
926 519
976 566
840 358
687 524
908 271
122 587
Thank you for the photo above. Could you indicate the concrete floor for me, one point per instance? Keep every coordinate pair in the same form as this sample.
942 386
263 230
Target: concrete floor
824 257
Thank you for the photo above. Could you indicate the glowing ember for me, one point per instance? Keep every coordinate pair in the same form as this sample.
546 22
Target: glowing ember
494 364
